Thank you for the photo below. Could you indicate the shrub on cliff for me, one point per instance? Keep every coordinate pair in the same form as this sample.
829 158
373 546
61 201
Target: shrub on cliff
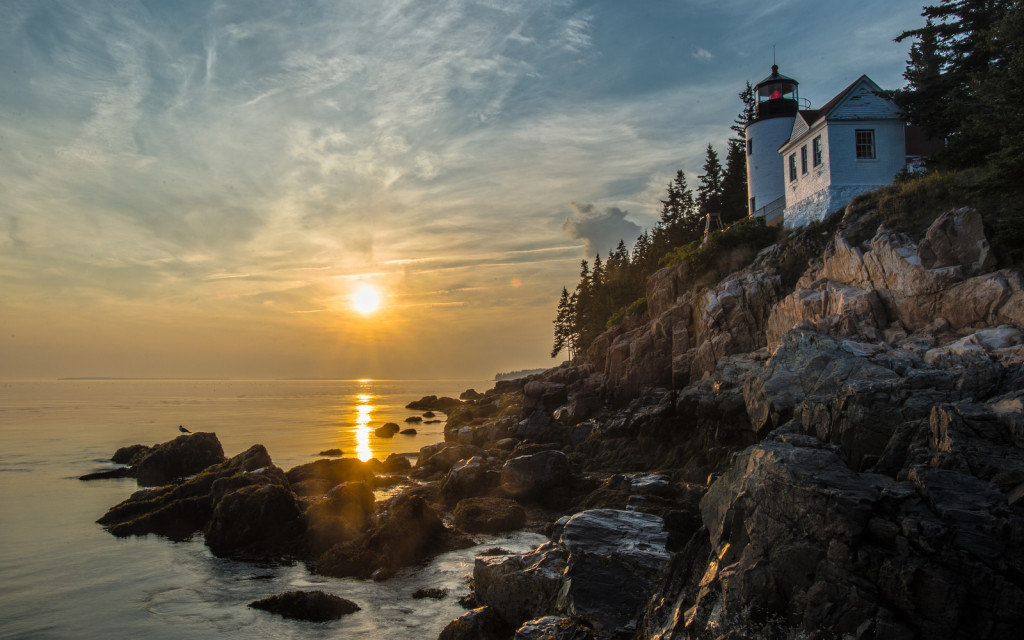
724 251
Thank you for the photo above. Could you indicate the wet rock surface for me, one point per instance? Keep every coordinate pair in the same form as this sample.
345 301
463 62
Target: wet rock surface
315 606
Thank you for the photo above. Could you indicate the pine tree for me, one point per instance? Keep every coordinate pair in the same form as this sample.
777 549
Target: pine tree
709 193
734 182
563 325
950 63
680 223
739 125
1002 93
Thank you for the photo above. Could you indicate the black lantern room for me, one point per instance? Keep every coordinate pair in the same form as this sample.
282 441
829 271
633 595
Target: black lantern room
776 96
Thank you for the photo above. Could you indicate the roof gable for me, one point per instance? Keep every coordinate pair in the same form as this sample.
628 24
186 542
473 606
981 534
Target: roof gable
860 101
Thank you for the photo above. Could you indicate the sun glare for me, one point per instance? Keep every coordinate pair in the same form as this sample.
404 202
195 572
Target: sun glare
366 299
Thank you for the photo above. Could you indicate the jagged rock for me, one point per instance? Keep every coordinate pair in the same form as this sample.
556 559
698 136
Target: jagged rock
521 587
601 572
434 593
315 606
527 476
554 628
178 510
489 515
614 558
470 394
957 238
482 623
830 307
186 455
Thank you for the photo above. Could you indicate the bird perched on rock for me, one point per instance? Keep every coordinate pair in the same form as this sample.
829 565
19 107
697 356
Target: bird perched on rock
183 429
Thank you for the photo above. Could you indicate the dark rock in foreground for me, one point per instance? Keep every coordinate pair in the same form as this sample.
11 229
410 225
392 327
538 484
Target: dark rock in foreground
315 606
179 510
482 623
489 515
602 571
408 531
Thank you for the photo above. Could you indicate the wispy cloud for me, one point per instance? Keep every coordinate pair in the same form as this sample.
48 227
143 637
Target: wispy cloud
244 161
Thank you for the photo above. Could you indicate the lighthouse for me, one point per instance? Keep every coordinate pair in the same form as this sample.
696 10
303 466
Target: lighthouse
775 109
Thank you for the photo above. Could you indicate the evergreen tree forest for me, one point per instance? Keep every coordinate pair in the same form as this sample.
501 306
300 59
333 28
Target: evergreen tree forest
612 287
965 83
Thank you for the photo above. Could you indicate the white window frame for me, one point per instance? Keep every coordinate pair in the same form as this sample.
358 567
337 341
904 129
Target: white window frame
864 144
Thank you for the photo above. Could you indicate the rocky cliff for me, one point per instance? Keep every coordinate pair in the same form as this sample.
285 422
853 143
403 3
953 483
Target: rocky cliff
826 443
831 451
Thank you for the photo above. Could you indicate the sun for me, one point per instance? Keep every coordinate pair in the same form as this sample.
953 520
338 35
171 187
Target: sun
366 299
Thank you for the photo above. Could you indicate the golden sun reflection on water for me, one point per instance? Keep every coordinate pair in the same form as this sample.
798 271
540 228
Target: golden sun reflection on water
363 411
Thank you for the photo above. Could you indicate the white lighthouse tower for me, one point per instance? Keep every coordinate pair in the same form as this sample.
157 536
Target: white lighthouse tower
775 110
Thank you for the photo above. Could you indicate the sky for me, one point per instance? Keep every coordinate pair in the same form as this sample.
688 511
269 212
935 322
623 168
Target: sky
197 188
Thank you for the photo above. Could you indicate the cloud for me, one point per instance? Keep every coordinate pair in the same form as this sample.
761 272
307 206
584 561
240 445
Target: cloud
702 54
600 230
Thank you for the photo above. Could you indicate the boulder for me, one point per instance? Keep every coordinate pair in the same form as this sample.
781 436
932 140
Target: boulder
333 471
521 587
614 558
186 455
314 606
957 238
255 521
482 623
408 531
441 456
345 514
601 572
428 403
528 476
468 478
396 463
130 455
386 430
489 515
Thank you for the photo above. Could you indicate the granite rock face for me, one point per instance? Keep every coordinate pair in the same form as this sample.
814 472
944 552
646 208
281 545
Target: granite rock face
601 571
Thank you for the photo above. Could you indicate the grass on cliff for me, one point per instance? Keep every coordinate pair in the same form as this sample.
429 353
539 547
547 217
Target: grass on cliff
911 204
724 252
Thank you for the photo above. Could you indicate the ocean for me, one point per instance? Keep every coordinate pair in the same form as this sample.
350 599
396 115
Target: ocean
63 576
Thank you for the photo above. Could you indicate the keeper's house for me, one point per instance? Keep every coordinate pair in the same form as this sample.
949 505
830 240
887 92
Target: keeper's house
804 164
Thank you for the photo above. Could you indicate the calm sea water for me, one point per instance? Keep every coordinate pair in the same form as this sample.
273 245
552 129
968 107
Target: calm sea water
63 576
